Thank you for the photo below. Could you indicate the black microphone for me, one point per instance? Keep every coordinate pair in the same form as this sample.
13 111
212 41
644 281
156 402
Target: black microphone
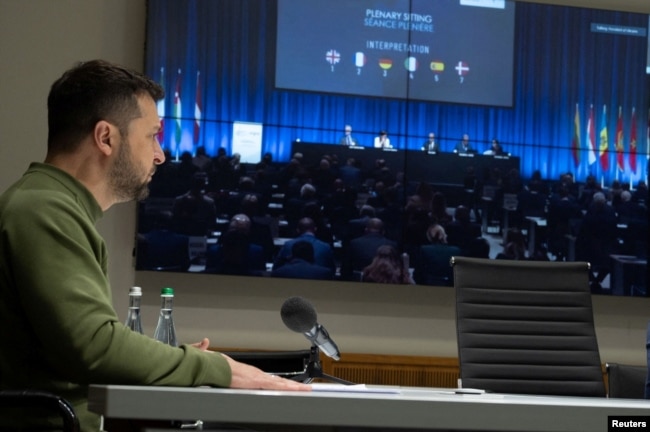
300 316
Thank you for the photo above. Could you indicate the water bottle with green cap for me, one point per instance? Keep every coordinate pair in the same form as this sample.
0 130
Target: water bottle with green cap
165 331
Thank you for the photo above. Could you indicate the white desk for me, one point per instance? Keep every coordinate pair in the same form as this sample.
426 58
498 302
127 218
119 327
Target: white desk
411 408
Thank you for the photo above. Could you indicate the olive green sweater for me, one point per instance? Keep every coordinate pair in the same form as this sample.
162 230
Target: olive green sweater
58 327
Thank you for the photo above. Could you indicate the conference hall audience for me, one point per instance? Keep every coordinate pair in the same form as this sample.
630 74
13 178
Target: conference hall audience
347 213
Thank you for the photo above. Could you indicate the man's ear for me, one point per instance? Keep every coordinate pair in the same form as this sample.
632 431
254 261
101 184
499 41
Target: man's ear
104 135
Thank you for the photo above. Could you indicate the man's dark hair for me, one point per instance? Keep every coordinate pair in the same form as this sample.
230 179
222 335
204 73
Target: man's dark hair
90 92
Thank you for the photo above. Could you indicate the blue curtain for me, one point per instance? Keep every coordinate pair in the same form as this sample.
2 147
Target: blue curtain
220 53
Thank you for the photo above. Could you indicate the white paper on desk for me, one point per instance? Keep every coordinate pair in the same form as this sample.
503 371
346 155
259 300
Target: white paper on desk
353 388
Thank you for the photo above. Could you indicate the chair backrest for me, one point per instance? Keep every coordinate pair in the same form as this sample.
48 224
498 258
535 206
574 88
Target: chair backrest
40 401
526 327
626 381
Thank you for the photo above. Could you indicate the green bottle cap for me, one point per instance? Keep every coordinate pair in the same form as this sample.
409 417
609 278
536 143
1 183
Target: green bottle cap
167 291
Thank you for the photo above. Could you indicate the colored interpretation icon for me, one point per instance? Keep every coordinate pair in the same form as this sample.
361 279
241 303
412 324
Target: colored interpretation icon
463 69
385 64
360 60
437 67
332 57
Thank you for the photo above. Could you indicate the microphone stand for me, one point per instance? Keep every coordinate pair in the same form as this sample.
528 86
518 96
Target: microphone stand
314 370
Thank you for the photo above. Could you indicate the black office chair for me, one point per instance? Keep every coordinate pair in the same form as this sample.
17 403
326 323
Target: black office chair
626 381
526 327
37 402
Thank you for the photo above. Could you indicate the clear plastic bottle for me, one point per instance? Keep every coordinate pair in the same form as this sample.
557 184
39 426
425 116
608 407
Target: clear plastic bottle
133 320
165 331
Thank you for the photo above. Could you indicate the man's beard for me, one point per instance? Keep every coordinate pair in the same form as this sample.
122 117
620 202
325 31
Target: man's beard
125 178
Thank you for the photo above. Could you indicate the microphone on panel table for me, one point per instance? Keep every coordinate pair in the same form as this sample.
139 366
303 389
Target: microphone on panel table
300 316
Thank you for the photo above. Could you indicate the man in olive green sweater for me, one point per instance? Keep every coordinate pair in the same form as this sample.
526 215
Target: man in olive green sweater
58 326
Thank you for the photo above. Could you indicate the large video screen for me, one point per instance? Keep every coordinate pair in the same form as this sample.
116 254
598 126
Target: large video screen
292 80
446 50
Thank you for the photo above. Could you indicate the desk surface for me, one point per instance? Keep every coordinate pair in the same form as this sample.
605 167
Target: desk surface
399 407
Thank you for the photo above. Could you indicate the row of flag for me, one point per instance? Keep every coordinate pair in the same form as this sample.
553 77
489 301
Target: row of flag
600 150
198 108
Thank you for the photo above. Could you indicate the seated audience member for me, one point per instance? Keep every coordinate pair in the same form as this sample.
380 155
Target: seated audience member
359 252
221 176
478 248
597 239
563 214
515 247
339 208
323 177
462 231
323 253
313 211
293 206
186 170
376 198
201 159
531 201
416 221
195 213
387 266
439 209
234 254
350 174
640 194
261 231
629 210
590 187
301 264
433 262
392 214
357 227
634 216
230 204
161 248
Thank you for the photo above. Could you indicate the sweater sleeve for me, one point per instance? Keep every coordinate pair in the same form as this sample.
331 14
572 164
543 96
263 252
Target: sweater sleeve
63 292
